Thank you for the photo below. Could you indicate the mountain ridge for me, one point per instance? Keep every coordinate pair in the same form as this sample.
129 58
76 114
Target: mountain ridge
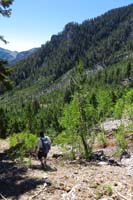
13 56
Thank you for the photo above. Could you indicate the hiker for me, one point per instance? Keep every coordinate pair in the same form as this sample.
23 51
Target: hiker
43 146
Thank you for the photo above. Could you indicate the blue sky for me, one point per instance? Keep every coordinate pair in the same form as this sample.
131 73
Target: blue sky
33 22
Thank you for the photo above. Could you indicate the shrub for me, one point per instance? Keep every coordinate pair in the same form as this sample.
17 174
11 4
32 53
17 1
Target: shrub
108 190
121 141
21 144
102 139
69 141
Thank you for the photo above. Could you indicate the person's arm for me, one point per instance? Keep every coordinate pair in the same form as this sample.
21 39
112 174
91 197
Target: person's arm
49 142
37 146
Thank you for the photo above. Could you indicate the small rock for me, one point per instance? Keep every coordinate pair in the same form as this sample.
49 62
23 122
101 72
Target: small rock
48 182
55 155
45 177
115 184
68 189
102 163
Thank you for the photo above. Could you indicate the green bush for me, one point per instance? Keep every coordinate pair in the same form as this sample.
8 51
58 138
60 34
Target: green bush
108 190
118 109
22 144
102 139
121 140
69 141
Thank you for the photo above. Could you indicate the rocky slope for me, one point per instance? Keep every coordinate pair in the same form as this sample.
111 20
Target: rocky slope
64 180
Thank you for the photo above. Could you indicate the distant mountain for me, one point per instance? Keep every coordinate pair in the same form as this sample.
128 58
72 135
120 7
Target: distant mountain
13 56
8 55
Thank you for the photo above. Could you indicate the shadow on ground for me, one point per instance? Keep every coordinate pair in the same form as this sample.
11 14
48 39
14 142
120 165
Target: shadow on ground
13 179
48 168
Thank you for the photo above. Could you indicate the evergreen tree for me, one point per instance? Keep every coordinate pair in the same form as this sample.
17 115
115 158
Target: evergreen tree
74 119
4 73
6 12
3 123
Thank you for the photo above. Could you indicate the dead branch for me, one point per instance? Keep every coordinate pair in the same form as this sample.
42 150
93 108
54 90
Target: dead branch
41 190
2 197
121 196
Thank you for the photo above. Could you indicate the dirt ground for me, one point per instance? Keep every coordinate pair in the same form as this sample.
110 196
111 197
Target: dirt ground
63 179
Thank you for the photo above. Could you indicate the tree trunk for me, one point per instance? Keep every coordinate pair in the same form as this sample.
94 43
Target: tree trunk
85 145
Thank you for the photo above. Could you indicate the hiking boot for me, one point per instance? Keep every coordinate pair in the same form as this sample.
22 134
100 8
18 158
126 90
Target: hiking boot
42 165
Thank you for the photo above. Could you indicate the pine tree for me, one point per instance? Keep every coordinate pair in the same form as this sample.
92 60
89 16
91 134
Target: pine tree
4 73
6 12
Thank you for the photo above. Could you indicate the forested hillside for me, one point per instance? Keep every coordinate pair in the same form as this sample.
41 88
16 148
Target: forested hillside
103 40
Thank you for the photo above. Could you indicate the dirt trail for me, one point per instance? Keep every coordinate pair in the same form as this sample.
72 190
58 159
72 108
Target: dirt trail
63 180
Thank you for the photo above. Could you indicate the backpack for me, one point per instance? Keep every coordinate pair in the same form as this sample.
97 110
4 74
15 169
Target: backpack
45 145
